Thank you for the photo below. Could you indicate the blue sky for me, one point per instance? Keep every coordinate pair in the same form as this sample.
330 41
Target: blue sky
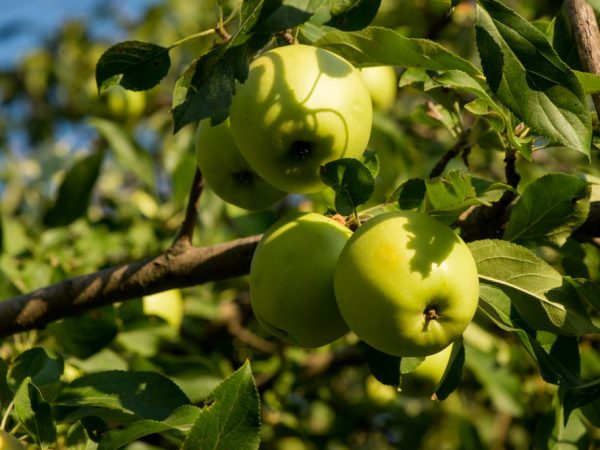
24 24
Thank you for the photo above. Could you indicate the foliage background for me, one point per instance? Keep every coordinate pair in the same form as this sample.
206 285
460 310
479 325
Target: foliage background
60 144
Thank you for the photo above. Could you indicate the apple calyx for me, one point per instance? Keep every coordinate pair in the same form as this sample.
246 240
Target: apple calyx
431 313
243 177
301 150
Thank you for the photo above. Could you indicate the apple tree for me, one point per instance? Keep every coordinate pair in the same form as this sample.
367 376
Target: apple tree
187 254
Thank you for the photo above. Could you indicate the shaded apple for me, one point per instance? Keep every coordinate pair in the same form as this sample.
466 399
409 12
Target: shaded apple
226 171
291 279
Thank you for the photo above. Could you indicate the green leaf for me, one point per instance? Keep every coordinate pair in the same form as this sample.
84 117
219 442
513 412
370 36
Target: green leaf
352 182
128 153
35 414
447 197
75 192
353 15
496 305
77 437
37 365
371 161
135 65
277 16
386 368
526 74
181 420
134 393
564 348
207 85
549 210
467 83
375 46
535 289
87 333
232 418
589 82
554 432
411 193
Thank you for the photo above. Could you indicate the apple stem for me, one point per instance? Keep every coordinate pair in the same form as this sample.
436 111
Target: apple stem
431 313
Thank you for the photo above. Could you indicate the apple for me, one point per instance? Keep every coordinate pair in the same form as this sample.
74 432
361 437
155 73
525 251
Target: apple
427 375
382 83
226 171
9 442
125 104
406 284
167 305
291 279
300 108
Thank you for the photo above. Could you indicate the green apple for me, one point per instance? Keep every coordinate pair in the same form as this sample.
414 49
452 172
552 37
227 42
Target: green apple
406 284
300 108
382 84
9 442
426 377
167 305
226 171
291 279
125 104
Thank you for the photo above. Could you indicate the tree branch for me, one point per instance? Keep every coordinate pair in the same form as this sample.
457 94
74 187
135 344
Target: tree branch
186 232
460 146
585 31
189 267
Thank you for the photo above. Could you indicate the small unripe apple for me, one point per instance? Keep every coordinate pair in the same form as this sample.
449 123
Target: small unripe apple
9 442
426 377
382 83
291 279
406 284
226 171
167 305
300 107
125 104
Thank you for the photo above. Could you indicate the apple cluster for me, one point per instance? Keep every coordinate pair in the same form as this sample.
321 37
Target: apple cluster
403 282
300 107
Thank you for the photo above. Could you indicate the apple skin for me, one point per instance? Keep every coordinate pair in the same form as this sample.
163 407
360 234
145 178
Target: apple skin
125 104
382 83
9 442
291 279
406 284
426 377
226 171
167 304
300 108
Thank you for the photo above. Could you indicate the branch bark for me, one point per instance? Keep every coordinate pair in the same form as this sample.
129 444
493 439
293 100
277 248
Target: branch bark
169 270
586 34
189 267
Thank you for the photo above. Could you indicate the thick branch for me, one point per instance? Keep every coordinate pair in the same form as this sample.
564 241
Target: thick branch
585 31
190 267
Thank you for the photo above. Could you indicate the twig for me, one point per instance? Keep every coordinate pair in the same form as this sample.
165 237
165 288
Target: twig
190 267
457 149
186 232
510 171
586 34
